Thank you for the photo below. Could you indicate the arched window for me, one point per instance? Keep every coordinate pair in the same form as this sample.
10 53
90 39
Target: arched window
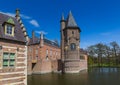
73 46
72 32
47 54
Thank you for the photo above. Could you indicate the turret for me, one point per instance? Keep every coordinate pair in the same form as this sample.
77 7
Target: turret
62 21
70 34
62 27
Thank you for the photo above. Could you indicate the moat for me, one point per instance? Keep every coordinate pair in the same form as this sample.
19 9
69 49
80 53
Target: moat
95 76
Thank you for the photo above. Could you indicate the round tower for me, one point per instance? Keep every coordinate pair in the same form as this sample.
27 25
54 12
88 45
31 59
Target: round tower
70 45
62 27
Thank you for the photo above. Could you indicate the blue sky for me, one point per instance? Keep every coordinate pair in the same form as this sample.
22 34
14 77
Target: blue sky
99 20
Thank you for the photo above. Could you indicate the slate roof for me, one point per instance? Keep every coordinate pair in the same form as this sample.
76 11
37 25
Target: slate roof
71 21
52 43
36 40
18 33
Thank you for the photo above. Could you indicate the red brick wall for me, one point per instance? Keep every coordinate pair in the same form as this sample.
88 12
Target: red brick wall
42 56
83 62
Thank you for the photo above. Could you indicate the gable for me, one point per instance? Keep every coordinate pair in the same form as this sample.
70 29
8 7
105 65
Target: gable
18 32
10 20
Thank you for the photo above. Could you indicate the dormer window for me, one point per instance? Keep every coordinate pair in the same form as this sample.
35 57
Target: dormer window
9 30
9 27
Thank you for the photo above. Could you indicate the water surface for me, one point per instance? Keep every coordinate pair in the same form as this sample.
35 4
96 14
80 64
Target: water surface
95 76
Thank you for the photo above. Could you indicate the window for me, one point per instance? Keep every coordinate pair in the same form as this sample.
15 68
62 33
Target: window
47 52
73 46
82 57
50 52
8 59
9 29
36 51
30 49
72 32
56 53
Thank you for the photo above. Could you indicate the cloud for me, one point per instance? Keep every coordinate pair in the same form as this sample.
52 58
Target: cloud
13 15
106 34
31 21
34 23
41 32
24 16
8 13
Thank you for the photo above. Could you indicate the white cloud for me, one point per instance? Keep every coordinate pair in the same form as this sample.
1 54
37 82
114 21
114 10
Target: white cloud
13 15
24 16
31 21
8 13
41 32
106 34
34 23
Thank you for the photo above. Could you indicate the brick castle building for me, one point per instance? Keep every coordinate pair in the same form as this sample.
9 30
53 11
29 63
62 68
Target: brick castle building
43 55
13 50
70 46
20 55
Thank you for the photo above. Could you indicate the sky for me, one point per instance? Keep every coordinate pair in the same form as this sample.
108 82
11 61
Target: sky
99 20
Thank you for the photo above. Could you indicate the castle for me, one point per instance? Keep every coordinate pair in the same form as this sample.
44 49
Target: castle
21 55
45 56
70 46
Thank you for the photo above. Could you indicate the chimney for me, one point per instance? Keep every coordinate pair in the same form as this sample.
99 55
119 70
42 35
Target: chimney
41 35
41 40
33 34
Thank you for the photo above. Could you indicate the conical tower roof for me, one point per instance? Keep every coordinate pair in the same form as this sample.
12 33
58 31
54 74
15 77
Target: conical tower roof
62 18
71 21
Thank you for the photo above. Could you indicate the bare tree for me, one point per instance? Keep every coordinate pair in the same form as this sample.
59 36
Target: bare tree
115 51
